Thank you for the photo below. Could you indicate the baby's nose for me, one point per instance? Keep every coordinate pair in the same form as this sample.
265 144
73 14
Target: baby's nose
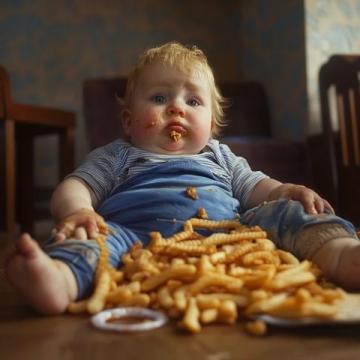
174 109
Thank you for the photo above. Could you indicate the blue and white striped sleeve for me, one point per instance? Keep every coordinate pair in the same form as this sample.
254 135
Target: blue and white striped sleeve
243 178
102 168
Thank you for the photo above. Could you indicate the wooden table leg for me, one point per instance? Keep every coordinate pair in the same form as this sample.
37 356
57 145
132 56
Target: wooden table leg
10 176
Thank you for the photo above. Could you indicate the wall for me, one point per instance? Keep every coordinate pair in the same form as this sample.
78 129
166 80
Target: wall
332 26
273 48
50 47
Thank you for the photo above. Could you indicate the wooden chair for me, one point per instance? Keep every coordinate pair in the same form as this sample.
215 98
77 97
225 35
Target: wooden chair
340 90
19 125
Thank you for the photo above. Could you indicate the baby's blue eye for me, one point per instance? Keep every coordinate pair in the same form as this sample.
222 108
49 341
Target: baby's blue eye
193 102
158 99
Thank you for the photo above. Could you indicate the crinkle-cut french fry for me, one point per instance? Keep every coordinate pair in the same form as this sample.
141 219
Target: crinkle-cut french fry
287 257
317 309
213 300
181 236
214 279
259 294
205 266
260 257
212 224
267 305
142 300
302 295
227 312
218 257
174 272
210 279
208 316
266 244
282 282
77 307
222 239
256 327
239 252
119 296
192 316
177 261
180 299
156 241
140 276
165 298
202 214
182 249
97 301
117 276
206 301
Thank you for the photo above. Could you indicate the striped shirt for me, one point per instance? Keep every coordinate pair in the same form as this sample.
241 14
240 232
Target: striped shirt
107 167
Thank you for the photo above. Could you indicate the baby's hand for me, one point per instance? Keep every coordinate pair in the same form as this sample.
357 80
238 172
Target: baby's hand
313 203
83 224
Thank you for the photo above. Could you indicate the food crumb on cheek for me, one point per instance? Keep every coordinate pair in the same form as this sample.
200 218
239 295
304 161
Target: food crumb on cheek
151 124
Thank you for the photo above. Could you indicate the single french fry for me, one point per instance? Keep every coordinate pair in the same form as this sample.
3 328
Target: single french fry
174 272
256 327
208 316
97 301
192 316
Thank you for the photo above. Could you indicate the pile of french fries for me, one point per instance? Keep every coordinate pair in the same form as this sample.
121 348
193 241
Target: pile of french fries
236 272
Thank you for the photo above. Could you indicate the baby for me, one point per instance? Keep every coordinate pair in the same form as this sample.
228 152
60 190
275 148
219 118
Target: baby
172 112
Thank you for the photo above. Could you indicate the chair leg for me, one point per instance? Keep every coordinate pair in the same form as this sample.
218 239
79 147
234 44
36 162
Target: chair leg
10 224
25 180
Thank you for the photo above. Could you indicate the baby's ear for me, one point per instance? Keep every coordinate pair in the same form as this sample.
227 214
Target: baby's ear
125 120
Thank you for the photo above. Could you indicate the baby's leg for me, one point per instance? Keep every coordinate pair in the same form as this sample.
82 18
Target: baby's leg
52 277
339 260
47 284
326 239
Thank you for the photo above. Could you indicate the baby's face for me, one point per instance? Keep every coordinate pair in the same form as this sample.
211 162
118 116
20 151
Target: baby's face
170 112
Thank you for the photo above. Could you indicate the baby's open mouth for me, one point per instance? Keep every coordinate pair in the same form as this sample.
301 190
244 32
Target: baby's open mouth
175 136
176 132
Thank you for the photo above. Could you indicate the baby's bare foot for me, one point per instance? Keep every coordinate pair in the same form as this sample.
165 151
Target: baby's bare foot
339 260
48 285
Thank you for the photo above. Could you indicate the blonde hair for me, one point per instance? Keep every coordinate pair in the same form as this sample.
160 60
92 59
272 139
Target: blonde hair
188 59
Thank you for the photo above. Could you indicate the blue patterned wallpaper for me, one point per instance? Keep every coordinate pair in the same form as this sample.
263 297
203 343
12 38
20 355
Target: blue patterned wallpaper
49 48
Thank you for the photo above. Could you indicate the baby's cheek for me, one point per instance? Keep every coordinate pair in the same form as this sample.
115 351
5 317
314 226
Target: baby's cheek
152 121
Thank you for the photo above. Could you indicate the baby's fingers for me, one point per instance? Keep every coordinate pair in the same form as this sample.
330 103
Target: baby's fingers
80 233
309 204
64 231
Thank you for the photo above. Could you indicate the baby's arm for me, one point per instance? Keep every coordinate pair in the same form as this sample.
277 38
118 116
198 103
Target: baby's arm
72 206
270 189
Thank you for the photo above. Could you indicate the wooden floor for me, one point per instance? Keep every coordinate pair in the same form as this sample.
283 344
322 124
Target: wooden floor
26 335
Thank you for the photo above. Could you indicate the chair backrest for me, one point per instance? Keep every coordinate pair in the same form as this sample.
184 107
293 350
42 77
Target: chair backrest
101 109
2 156
339 82
247 114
